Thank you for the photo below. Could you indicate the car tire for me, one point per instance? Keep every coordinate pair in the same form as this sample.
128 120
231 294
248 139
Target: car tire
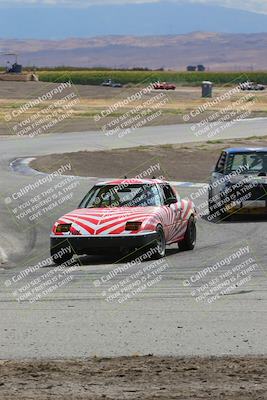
222 210
159 249
64 258
211 204
189 241
214 210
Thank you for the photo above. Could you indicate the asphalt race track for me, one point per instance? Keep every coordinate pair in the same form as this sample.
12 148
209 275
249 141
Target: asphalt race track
83 319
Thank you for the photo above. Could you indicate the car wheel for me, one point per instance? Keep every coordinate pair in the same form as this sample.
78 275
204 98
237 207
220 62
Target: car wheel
216 211
60 259
189 241
211 204
160 246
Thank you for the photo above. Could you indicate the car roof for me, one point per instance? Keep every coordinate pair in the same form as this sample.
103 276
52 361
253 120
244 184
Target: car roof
245 149
132 181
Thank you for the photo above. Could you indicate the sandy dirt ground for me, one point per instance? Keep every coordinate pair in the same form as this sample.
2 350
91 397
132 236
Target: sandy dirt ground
92 100
136 377
190 162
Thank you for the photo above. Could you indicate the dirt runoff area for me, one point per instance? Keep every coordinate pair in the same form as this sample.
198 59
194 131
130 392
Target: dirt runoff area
189 162
131 378
91 101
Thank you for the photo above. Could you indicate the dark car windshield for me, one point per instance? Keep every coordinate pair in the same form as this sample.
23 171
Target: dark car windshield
253 162
122 196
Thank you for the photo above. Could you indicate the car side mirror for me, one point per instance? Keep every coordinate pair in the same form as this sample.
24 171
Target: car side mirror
170 200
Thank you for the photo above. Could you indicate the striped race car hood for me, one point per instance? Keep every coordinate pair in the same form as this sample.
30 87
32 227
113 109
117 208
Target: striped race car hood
105 221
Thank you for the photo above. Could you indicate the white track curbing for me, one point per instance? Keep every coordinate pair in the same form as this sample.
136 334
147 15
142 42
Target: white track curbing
21 165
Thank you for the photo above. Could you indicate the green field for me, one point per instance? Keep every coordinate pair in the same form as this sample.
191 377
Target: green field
88 77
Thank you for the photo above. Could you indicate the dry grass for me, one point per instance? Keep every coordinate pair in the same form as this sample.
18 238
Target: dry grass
94 99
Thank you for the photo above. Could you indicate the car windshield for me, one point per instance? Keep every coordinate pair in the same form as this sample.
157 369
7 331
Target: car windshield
254 162
122 196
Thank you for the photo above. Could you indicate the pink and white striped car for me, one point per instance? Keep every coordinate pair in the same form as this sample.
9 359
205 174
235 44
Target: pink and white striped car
124 216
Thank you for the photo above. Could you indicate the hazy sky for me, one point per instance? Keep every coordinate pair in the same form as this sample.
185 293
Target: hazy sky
259 6
57 19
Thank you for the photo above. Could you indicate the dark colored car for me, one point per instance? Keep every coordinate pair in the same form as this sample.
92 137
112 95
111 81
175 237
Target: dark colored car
239 182
252 86
111 83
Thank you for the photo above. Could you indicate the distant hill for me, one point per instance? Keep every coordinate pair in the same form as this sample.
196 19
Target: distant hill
218 51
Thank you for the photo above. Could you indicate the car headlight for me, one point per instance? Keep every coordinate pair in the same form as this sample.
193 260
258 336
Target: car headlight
63 228
133 226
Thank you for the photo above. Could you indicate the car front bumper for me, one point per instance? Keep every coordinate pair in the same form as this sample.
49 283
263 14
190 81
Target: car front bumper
248 211
249 199
250 208
91 244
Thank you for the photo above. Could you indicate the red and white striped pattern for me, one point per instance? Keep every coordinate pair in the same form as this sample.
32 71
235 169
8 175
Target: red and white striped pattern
112 221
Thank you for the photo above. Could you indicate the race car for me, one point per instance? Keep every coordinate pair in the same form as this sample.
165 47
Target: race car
164 86
125 215
252 86
111 83
239 182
